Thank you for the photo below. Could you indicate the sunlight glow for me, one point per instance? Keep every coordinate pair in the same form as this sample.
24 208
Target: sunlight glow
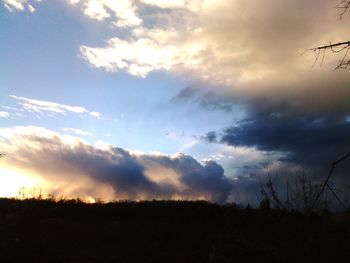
12 180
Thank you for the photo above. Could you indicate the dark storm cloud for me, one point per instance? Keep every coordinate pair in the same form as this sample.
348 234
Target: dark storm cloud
117 168
208 179
296 135
70 163
311 141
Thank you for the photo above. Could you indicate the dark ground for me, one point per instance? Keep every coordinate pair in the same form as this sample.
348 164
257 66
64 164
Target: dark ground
71 231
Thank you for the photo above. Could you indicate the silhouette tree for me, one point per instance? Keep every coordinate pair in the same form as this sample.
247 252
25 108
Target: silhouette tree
344 63
339 47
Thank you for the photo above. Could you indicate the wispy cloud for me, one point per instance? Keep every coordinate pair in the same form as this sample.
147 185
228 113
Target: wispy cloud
20 5
33 105
40 105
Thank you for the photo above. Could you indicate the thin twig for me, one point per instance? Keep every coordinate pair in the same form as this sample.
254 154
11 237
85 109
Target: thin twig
325 184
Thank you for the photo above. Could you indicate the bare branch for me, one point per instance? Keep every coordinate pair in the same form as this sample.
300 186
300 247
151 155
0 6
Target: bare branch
333 48
339 47
344 6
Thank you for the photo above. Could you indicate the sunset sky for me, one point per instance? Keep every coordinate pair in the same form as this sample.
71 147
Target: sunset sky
143 99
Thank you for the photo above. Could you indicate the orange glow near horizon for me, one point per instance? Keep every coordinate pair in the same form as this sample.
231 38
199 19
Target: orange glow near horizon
12 180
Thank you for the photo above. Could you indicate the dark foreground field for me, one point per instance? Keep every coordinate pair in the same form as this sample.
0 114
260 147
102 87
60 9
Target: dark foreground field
71 231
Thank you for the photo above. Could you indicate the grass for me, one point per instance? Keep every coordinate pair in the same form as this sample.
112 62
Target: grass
165 231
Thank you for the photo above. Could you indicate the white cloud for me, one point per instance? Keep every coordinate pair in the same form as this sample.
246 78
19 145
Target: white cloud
196 6
4 114
166 4
14 5
96 114
20 5
33 105
122 13
95 9
77 131
141 56
14 112
74 2
31 8
40 106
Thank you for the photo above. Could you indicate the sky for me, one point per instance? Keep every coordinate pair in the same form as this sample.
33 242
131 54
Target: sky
177 99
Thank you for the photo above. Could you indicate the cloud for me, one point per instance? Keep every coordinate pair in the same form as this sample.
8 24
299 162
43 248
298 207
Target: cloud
77 131
206 98
155 43
4 114
96 10
253 59
31 8
72 167
20 5
211 137
250 52
33 105
244 51
122 13
247 48
96 114
310 142
166 4
13 5
234 41
40 105
138 57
